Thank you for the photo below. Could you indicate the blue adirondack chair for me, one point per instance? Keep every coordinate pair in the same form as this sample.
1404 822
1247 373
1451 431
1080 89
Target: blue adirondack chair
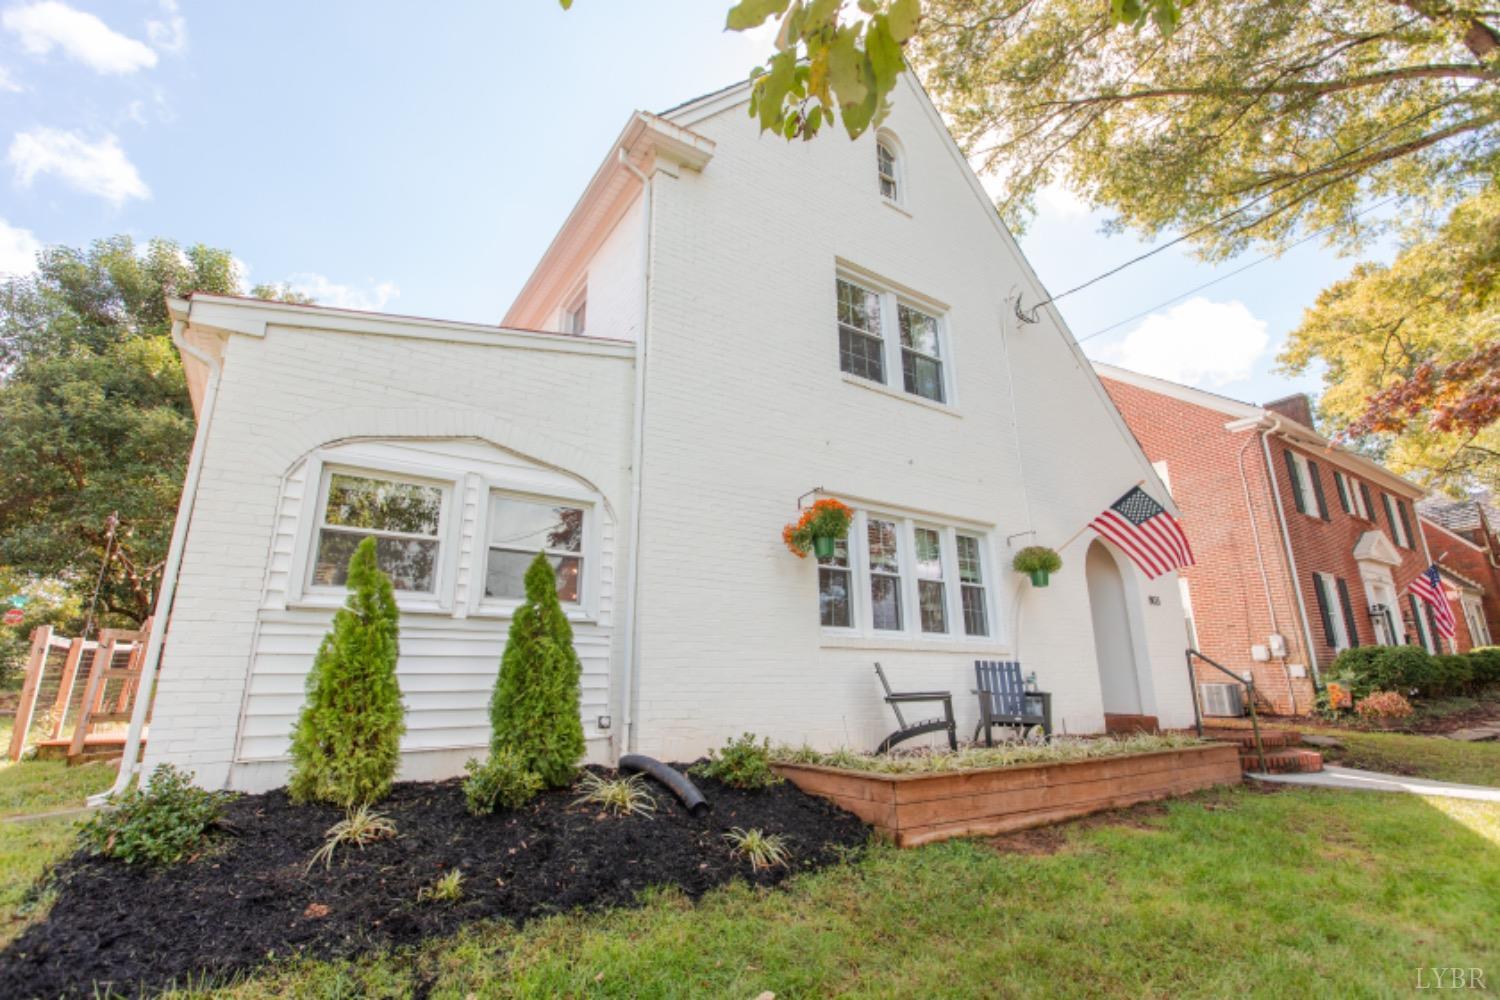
1004 700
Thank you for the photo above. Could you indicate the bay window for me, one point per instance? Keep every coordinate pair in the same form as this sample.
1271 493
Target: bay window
404 518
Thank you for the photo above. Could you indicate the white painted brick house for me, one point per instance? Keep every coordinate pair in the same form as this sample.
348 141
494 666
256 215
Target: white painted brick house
716 330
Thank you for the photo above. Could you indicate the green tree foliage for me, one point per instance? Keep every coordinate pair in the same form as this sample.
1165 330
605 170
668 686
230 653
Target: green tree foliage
94 413
1409 352
534 710
347 742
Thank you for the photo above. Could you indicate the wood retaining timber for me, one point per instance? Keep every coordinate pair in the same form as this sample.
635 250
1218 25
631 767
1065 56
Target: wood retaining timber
912 809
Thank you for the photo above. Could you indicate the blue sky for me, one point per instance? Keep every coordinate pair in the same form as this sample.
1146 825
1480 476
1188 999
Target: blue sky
383 158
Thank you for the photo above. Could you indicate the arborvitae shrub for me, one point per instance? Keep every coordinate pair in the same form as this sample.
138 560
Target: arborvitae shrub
347 742
534 711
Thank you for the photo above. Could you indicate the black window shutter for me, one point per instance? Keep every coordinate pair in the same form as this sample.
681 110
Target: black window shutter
1343 486
1291 470
1323 612
1317 481
1411 542
1416 614
1390 514
1350 621
1364 491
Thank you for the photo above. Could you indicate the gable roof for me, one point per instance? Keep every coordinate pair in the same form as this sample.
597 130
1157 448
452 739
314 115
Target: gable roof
1246 415
1460 515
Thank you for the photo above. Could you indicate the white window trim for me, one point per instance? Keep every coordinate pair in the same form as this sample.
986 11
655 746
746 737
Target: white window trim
891 298
898 168
1479 629
1356 497
1335 602
587 608
579 297
1305 486
862 629
320 469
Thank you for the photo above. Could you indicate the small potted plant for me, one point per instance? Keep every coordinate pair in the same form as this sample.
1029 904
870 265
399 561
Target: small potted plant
1038 562
818 529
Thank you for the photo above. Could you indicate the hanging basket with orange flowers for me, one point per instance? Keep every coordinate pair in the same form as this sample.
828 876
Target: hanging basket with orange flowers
818 529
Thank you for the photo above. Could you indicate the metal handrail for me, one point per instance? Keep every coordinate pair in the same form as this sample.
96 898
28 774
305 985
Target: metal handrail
1249 683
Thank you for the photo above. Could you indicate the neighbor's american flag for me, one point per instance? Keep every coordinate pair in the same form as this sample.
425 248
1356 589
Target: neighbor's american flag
1147 533
1429 587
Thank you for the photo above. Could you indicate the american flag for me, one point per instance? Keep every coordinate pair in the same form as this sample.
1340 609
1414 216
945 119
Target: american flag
1429 587
1148 534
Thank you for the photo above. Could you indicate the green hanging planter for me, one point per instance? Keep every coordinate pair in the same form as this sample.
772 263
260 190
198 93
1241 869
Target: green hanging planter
823 546
1040 577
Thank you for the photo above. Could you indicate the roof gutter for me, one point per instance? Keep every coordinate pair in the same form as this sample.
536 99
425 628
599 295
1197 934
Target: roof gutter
162 610
1268 425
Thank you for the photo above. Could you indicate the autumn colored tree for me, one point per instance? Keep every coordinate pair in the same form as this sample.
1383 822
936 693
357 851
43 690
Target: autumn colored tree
1411 351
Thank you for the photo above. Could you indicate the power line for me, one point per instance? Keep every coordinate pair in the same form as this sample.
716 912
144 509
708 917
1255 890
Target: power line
1030 316
1225 277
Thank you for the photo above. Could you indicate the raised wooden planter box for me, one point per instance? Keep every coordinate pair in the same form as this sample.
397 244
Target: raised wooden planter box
913 809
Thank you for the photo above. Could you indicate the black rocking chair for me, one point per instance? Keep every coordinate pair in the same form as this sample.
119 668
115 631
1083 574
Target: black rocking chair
1004 700
896 699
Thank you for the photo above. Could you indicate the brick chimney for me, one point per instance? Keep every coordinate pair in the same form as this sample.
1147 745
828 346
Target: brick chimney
1296 406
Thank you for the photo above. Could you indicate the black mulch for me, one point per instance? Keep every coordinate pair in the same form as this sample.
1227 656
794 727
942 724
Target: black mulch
251 896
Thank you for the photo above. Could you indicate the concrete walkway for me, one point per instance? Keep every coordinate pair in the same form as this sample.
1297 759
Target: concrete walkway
1375 781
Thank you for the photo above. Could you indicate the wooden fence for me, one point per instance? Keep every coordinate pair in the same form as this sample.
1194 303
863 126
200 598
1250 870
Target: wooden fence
73 686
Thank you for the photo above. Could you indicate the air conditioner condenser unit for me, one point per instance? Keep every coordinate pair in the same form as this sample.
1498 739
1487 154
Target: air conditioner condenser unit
1223 700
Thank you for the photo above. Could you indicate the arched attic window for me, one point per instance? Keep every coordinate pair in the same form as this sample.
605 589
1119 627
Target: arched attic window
890 167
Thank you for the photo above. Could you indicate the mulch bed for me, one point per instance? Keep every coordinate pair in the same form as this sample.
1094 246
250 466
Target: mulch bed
252 896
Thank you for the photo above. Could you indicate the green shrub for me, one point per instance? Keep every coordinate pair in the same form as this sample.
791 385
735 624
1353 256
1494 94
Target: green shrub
1387 668
160 824
743 763
1451 673
502 781
1485 663
347 742
534 710
1036 557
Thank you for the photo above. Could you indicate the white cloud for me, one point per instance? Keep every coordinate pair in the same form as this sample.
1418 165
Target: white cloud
83 37
99 168
169 34
373 296
8 83
1199 342
18 250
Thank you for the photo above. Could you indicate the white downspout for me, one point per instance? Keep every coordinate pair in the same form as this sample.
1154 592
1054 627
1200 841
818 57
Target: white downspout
162 610
1260 561
1286 538
632 571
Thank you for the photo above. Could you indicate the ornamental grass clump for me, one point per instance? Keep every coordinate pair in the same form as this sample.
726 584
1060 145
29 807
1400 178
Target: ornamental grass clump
763 850
1384 706
347 741
534 710
743 763
1061 750
622 796
827 518
360 827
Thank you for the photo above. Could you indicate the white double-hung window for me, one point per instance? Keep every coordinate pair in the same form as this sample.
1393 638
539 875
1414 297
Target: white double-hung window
403 516
881 331
519 528
896 577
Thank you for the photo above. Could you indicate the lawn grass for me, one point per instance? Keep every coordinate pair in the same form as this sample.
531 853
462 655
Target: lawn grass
28 848
1231 892
1433 757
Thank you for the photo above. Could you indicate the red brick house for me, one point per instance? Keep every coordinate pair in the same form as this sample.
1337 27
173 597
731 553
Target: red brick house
1303 547
1463 539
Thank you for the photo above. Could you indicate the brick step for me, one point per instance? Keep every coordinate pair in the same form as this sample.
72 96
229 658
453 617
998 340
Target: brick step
1283 761
1245 738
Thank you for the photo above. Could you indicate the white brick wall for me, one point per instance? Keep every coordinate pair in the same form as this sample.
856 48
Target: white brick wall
747 409
299 389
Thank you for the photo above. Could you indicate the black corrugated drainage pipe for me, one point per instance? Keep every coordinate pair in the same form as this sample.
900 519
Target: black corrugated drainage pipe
692 799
